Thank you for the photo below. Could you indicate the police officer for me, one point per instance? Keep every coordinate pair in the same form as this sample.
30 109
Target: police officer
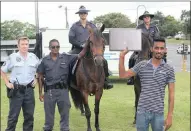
22 66
54 69
78 35
147 27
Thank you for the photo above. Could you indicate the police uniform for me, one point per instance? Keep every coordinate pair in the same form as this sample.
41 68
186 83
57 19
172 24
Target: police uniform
78 35
152 31
22 75
56 92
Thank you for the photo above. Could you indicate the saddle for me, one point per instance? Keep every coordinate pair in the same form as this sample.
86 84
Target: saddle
72 76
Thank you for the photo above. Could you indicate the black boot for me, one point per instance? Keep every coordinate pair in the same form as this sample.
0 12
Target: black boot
130 81
107 83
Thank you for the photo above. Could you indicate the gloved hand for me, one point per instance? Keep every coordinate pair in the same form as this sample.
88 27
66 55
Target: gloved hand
83 45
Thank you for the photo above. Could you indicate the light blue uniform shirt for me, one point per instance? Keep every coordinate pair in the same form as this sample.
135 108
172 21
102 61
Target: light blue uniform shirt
22 70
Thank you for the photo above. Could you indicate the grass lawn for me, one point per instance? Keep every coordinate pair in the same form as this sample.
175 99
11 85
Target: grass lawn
116 109
174 41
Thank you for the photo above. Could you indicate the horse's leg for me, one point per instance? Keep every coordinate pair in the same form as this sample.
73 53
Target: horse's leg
96 110
82 109
137 87
87 111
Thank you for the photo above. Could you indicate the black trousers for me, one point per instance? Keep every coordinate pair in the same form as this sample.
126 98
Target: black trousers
26 101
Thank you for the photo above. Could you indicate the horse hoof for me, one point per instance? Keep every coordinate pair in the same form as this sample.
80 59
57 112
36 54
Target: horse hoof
97 129
83 114
89 129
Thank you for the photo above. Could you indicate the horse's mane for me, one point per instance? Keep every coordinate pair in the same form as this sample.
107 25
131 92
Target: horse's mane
97 34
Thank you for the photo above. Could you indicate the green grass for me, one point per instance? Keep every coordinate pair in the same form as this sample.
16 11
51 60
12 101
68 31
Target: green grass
174 41
116 109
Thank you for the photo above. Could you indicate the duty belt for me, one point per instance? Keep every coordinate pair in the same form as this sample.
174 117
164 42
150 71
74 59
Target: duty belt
56 86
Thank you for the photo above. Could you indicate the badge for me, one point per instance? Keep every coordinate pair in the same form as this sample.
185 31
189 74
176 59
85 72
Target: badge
18 59
4 63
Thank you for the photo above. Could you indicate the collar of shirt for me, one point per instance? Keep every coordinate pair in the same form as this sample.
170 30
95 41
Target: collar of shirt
49 57
22 57
79 23
150 63
151 25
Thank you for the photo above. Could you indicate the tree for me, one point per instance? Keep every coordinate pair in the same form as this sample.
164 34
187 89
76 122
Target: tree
114 20
167 25
11 30
185 18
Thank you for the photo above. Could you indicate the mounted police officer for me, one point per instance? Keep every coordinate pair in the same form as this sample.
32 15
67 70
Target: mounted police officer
20 85
147 27
79 34
53 72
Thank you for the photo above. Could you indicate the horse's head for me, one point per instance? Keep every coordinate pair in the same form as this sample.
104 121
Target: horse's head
97 44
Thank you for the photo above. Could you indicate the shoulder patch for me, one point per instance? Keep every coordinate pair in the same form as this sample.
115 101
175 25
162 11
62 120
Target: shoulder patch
18 59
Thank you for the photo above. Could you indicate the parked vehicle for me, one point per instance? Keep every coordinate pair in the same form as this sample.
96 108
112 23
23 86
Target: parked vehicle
180 49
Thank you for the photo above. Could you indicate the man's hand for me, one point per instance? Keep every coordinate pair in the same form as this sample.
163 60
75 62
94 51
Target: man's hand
168 122
41 97
10 85
124 52
83 45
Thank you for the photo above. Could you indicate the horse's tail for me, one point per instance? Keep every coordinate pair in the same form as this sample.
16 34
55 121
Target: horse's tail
76 97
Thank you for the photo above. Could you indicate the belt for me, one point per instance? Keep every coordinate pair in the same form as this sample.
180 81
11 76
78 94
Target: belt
55 86
24 86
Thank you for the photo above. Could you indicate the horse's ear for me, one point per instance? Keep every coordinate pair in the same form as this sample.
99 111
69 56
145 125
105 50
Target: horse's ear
102 28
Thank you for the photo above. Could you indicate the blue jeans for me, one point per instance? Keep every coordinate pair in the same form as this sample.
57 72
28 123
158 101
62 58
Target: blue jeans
144 118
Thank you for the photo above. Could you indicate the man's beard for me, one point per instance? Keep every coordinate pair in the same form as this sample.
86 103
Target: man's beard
160 57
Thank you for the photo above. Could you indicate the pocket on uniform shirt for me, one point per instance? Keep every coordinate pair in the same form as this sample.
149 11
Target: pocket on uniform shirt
32 69
64 68
18 67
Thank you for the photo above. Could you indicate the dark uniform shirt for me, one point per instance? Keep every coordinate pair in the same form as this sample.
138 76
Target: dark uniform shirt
153 30
78 34
58 70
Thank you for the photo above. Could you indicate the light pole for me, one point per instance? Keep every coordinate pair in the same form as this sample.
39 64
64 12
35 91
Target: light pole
66 15
36 17
137 12
38 46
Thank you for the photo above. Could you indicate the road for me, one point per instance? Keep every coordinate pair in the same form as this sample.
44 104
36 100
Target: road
175 59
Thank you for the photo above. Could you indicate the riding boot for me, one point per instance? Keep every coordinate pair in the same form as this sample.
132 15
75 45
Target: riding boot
107 83
130 81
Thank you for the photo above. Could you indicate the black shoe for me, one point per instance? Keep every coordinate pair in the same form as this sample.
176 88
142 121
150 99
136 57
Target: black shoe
130 81
107 84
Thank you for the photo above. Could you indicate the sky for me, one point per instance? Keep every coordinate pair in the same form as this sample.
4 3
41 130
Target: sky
53 17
